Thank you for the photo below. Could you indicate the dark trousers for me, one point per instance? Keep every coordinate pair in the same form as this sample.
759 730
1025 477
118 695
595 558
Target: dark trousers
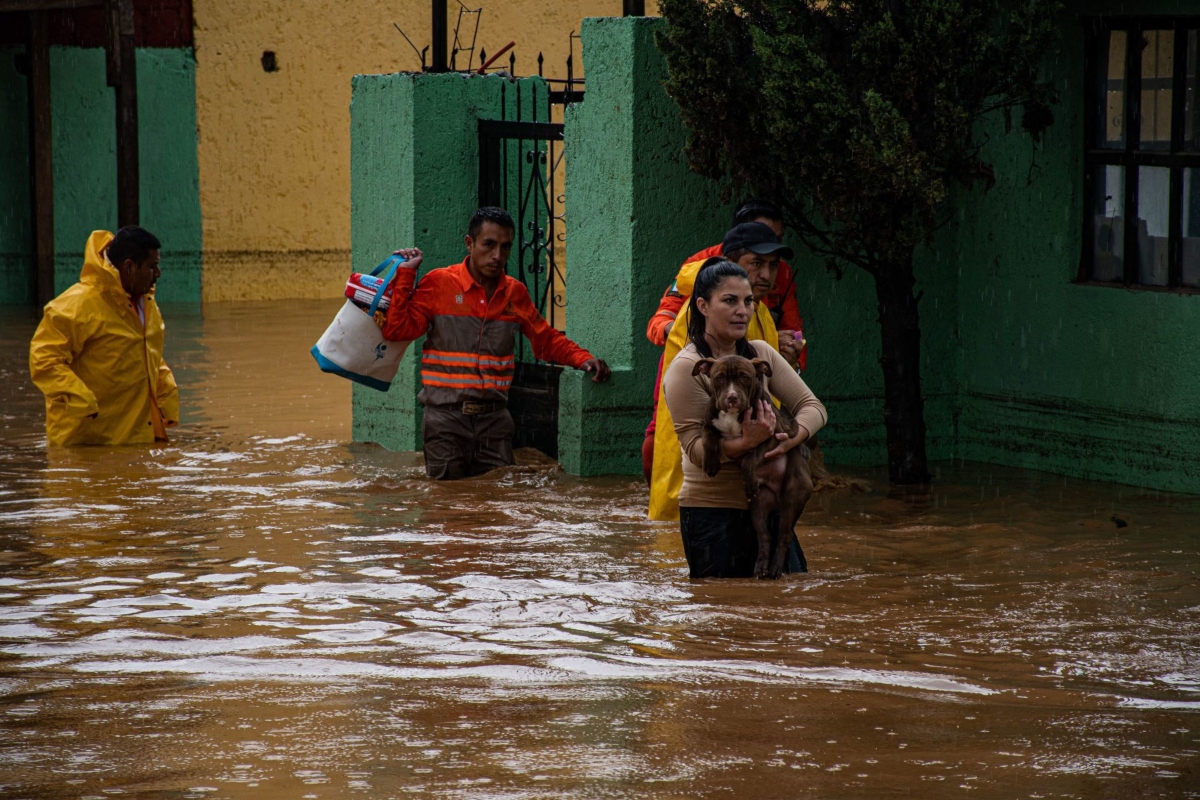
721 543
459 445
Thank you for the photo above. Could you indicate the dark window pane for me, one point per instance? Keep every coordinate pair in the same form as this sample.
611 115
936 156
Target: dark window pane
1154 198
1108 209
1191 103
1190 224
1110 89
1158 65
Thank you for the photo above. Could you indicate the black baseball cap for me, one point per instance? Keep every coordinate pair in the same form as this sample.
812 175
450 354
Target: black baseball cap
755 237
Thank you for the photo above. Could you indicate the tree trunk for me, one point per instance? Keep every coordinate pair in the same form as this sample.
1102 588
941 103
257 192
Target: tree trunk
903 405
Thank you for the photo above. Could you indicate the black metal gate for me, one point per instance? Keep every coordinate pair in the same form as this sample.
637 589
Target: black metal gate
519 163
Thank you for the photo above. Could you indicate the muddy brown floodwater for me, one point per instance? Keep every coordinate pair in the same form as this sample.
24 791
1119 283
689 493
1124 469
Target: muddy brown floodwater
262 609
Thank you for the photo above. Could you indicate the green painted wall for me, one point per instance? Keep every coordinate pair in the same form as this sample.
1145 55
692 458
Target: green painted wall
842 328
1095 382
84 150
16 233
414 179
170 167
634 214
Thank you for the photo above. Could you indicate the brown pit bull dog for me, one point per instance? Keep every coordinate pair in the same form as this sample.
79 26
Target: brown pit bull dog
782 484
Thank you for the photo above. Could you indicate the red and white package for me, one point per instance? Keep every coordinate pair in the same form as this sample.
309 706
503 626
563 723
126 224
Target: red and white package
362 288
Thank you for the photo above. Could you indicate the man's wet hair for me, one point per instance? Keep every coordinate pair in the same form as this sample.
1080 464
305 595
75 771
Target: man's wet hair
756 208
131 243
712 272
493 214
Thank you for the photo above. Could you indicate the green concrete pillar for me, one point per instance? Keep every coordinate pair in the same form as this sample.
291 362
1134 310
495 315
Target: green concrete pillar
634 213
414 181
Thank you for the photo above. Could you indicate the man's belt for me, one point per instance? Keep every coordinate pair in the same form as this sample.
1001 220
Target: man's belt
472 407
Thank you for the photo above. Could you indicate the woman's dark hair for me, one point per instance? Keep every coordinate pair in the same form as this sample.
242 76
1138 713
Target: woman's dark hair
712 272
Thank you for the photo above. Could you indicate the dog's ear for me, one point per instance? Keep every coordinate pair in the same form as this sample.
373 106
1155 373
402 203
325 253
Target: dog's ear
762 366
703 366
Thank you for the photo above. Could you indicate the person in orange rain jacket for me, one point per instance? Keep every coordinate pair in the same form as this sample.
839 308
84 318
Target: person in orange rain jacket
97 353
472 312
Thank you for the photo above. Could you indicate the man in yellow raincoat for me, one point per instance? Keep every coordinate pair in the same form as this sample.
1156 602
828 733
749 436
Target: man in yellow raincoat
97 354
755 248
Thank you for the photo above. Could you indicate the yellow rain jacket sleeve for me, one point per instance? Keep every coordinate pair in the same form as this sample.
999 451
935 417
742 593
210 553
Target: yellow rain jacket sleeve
100 368
666 477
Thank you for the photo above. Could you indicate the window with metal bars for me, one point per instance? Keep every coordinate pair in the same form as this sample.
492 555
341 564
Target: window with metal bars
1142 155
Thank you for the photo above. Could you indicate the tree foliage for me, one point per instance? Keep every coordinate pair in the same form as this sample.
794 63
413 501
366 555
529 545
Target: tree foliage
856 115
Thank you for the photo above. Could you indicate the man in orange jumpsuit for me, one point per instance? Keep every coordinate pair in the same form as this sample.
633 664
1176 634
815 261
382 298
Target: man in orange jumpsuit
780 301
472 312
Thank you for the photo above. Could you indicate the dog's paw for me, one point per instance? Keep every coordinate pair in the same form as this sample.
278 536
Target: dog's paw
761 569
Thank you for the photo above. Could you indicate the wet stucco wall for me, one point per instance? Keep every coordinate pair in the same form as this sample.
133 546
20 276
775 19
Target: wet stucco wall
414 152
84 152
841 323
275 154
1095 382
635 214
16 231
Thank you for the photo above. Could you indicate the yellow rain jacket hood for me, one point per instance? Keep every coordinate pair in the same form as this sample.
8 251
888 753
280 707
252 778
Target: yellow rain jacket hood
100 368
666 477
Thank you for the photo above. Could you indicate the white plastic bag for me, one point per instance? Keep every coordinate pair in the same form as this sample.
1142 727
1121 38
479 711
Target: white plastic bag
353 345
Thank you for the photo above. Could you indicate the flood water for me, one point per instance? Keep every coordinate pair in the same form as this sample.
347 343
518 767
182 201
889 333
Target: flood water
262 609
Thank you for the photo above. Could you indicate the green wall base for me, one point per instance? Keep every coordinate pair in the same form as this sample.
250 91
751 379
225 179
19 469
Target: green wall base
392 418
599 430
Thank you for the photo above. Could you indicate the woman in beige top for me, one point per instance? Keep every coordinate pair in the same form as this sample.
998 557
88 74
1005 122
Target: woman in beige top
718 538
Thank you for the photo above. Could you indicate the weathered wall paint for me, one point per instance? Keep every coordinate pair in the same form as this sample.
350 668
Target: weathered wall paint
84 151
1088 381
414 180
634 214
275 153
16 232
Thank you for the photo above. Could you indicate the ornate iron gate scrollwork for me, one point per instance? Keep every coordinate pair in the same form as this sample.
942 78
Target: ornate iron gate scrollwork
518 167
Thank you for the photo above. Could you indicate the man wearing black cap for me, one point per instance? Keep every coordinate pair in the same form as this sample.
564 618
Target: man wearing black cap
781 300
755 248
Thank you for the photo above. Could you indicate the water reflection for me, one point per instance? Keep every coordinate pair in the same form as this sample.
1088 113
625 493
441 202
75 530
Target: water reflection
261 609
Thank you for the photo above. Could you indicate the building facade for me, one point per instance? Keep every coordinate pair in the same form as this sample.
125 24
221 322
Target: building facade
245 120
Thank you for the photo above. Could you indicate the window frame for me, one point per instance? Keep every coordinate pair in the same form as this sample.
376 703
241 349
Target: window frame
1132 157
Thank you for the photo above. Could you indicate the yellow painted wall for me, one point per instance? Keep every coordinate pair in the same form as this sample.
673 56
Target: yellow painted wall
274 148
